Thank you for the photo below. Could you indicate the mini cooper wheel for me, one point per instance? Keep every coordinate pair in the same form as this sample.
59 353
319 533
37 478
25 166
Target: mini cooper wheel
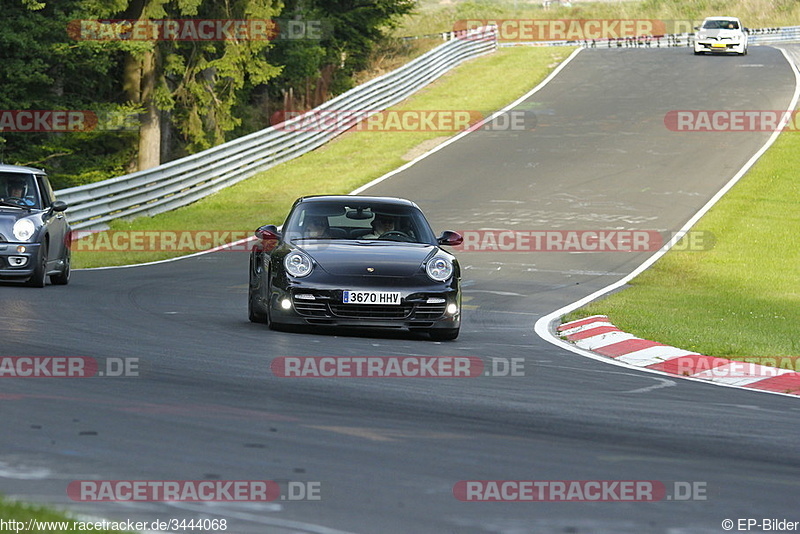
62 278
39 276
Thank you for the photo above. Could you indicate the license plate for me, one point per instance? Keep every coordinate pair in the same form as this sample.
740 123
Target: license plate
718 45
371 297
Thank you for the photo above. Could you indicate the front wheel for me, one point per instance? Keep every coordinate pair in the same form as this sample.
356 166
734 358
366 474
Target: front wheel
252 313
39 276
444 335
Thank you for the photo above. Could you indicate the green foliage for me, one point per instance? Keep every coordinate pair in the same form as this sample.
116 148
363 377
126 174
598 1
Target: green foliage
43 69
352 29
208 91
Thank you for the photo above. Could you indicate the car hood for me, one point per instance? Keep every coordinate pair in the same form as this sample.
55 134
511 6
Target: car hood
721 33
355 258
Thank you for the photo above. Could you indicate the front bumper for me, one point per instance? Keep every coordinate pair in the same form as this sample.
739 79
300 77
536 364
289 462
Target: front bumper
719 47
18 260
420 308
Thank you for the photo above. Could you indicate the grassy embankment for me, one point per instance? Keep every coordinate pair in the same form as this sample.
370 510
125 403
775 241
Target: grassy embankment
742 298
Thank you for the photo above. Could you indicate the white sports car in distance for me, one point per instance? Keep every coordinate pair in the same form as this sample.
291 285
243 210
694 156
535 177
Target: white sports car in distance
721 34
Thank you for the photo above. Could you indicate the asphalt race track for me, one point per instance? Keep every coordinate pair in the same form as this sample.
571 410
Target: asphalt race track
387 453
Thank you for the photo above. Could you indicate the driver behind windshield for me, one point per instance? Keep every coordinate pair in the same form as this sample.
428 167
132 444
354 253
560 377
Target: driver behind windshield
381 224
15 192
317 227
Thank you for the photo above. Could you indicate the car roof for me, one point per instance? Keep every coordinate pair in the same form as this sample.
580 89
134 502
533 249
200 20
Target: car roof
20 169
358 198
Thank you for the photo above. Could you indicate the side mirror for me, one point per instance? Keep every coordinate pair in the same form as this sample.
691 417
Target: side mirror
59 206
268 232
269 236
697 27
450 239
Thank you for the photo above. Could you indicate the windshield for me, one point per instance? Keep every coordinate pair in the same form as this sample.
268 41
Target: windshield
18 189
363 221
720 25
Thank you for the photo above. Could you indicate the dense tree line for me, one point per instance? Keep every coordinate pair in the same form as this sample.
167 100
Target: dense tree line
155 99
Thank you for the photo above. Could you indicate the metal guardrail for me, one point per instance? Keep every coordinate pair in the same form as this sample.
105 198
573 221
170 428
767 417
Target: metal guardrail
189 179
756 36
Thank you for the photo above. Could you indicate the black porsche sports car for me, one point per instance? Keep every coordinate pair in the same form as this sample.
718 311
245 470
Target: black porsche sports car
356 261
33 230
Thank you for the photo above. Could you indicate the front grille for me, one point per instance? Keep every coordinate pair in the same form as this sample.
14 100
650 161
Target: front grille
429 311
357 311
324 308
311 308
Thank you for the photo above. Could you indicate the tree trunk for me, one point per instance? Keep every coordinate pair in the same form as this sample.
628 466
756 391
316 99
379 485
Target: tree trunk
150 128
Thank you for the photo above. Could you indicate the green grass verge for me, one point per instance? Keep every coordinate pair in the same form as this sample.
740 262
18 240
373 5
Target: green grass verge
484 84
742 298
21 512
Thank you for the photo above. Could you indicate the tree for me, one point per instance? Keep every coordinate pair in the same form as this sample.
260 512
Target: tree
197 82
351 29
42 69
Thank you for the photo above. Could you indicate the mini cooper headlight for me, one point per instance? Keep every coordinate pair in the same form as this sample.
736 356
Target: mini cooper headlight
24 230
298 264
439 268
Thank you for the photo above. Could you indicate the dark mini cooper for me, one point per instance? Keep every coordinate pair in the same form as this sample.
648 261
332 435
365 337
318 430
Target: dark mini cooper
33 230
356 261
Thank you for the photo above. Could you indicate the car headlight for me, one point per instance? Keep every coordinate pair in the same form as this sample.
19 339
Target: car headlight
439 269
298 264
701 35
24 230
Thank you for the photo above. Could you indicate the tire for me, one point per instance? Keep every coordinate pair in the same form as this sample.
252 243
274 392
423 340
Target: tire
271 325
444 335
252 309
252 314
62 278
39 276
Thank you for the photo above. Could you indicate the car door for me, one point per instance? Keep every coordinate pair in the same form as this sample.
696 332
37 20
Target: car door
54 222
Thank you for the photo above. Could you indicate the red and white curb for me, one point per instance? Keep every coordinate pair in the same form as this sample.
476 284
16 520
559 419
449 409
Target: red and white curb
598 335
